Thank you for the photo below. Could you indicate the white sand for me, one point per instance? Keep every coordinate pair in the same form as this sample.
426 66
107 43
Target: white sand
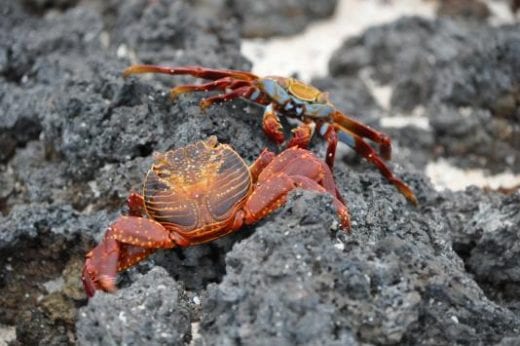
7 334
308 53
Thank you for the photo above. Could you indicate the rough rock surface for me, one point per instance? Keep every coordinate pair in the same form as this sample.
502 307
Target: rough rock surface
294 281
463 9
485 234
279 18
264 19
464 77
153 311
76 138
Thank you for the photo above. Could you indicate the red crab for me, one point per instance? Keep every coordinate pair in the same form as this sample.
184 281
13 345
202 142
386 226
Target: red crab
198 193
291 98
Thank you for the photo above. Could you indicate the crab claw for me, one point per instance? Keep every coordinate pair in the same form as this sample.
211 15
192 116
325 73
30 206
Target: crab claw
88 281
92 282
99 271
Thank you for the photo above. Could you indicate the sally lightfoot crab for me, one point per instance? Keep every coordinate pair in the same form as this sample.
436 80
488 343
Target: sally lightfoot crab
198 193
294 99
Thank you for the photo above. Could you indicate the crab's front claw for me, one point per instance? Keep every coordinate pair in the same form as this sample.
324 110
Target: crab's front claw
92 282
99 271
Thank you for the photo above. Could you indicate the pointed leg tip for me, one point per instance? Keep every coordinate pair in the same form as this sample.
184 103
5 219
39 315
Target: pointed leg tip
204 104
179 90
174 94
137 69
410 196
129 71
107 283
88 284
344 216
346 225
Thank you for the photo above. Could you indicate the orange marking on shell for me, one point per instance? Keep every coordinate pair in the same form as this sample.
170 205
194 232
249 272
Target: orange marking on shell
303 91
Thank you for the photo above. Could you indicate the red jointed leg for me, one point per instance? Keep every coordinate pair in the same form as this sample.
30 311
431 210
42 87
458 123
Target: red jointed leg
120 248
260 163
331 137
279 163
269 195
341 208
131 254
300 162
244 91
272 126
195 71
301 136
100 267
135 204
327 181
371 155
293 163
105 260
272 194
220 84
142 232
362 130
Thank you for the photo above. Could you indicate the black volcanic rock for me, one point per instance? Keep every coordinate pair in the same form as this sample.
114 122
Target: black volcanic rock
76 138
464 76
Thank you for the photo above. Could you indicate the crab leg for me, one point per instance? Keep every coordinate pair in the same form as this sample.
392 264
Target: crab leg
291 169
127 241
195 71
272 126
301 136
135 204
222 84
341 208
360 146
331 137
358 128
290 162
260 163
245 91
273 194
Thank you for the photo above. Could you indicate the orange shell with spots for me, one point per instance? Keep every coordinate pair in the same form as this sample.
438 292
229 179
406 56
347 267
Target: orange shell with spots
196 190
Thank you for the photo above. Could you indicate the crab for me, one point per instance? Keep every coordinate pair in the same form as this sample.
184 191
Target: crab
201 192
294 99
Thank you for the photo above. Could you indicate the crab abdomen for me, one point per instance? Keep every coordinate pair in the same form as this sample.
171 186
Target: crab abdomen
196 190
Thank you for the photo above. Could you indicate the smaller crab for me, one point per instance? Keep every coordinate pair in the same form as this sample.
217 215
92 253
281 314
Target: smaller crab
294 99
198 193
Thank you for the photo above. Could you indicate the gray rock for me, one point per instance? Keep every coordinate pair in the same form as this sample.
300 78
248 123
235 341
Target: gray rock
33 221
275 18
152 311
464 75
484 228
296 281
168 32
464 9
40 6
78 138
